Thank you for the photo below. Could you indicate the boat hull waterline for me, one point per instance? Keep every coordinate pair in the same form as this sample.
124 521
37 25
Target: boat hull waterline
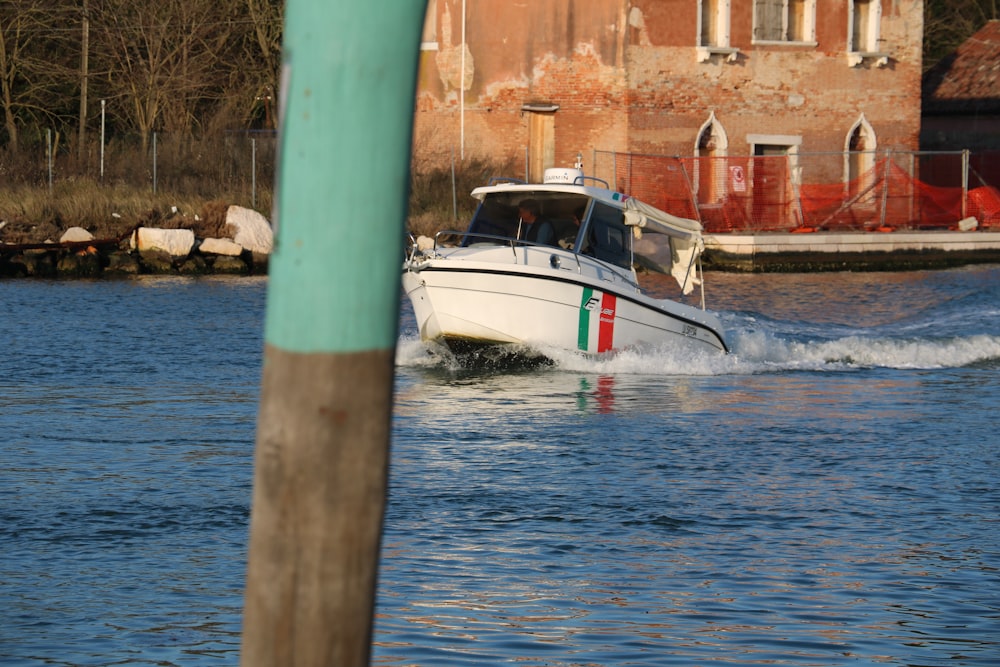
466 305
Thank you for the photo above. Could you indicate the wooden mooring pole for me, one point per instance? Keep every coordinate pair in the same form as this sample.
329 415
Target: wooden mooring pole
321 457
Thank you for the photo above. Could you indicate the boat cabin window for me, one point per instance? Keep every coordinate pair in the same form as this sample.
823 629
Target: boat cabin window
498 221
611 239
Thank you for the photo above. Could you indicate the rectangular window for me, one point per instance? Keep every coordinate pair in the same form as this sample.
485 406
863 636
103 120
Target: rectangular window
784 21
612 239
797 23
428 39
714 23
865 18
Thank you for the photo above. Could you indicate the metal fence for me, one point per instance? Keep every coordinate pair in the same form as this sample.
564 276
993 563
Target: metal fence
803 192
887 191
238 166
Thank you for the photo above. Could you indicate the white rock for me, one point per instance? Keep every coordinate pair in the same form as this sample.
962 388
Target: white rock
76 234
253 231
175 242
221 247
968 224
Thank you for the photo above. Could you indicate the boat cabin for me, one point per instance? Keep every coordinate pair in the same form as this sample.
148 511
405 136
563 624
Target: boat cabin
588 220
566 217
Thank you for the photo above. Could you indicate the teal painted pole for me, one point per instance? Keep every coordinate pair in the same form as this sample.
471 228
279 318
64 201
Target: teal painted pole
321 458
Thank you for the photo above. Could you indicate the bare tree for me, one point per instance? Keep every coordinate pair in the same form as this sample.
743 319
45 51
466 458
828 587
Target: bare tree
164 61
33 66
204 65
263 49
250 59
84 77
948 23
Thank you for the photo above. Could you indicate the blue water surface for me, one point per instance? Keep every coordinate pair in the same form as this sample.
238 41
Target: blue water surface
825 495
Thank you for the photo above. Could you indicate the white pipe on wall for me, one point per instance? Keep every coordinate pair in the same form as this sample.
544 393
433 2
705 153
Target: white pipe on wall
461 93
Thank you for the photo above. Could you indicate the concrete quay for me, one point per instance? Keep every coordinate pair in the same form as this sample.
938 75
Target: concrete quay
849 251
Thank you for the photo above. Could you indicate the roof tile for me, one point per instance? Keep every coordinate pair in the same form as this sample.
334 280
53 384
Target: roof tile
968 80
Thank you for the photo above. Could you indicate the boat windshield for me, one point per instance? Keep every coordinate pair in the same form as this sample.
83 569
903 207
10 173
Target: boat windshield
503 217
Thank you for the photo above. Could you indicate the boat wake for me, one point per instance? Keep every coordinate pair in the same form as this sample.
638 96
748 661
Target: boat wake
756 347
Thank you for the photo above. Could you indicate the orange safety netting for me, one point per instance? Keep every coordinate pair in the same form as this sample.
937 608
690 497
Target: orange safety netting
984 205
656 180
801 193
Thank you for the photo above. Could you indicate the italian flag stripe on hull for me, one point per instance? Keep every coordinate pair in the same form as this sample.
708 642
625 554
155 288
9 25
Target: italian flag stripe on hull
597 320
606 335
583 332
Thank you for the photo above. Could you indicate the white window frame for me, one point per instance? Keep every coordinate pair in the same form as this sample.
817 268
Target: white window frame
808 28
867 48
865 159
716 129
718 45
428 38
791 144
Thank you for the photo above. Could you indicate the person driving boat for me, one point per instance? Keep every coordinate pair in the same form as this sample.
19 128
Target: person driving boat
530 227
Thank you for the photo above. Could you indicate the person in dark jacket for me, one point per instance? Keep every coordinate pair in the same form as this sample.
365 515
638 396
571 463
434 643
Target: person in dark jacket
532 228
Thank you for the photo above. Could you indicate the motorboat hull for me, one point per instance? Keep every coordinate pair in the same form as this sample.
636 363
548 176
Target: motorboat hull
552 267
466 305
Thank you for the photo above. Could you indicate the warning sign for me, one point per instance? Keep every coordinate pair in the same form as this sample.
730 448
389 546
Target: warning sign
739 178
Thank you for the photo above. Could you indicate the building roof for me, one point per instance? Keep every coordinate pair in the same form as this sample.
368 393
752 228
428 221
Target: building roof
968 80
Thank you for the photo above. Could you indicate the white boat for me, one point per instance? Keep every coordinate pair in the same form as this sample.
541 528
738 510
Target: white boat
528 288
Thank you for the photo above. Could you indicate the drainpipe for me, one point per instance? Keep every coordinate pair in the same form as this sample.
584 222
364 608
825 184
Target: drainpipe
965 184
461 93
322 444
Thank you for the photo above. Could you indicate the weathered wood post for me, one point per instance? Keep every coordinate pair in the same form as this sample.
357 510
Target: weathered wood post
326 398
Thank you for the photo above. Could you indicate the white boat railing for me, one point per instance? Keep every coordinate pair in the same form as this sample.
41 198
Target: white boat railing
514 244
503 241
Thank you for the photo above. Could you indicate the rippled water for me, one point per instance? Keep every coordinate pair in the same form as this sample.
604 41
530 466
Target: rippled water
825 495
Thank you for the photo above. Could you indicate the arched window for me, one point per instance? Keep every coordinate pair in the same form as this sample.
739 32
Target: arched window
859 157
710 150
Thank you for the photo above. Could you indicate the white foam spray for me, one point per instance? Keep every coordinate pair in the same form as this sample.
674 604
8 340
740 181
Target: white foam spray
757 350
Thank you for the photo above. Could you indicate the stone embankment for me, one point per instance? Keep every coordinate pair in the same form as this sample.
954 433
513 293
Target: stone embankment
850 251
146 250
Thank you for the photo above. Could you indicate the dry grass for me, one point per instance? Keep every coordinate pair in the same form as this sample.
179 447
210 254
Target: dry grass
439 200
34 214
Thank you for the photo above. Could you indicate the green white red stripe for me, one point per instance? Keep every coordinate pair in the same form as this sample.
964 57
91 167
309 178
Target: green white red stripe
596 321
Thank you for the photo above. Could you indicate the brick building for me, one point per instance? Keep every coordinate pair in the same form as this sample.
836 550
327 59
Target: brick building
549 79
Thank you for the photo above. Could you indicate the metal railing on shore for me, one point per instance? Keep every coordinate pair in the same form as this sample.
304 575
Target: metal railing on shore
239 165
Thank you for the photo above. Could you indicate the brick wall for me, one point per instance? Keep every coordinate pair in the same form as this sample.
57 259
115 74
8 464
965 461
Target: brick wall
626 78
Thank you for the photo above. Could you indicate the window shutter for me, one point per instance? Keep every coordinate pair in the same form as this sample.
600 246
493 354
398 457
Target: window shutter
768 20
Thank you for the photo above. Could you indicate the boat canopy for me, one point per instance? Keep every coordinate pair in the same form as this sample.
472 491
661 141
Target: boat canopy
644 216
679 256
